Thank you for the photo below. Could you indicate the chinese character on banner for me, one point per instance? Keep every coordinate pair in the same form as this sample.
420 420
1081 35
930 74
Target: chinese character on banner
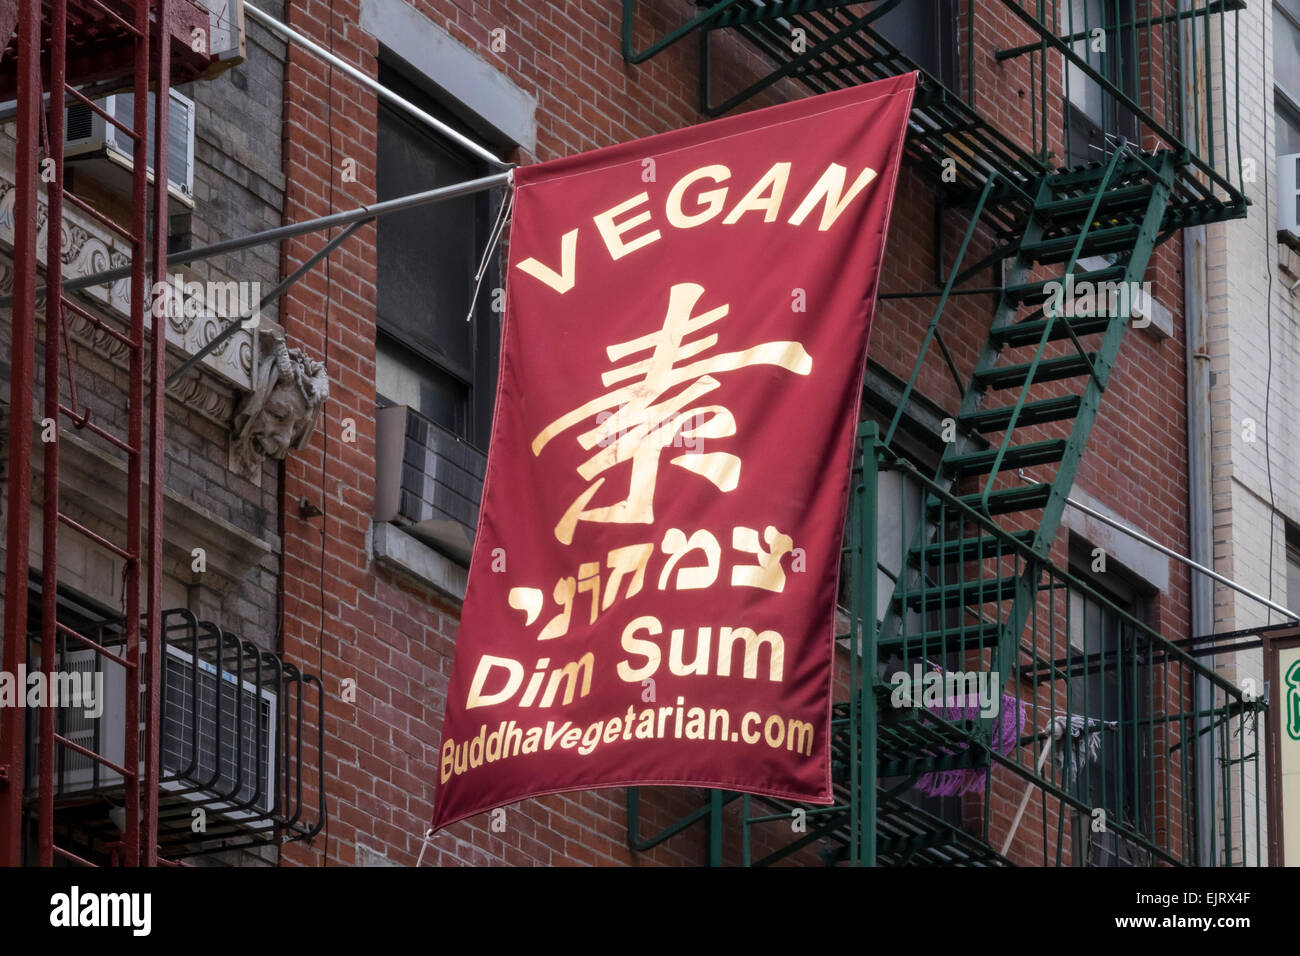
651 597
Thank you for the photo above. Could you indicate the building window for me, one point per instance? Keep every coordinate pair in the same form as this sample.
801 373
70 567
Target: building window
435 354
428 356
926 32
1111 698
1293 568
1286 74
1109 45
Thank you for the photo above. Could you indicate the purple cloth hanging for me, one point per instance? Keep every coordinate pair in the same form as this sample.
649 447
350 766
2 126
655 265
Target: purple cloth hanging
1006 733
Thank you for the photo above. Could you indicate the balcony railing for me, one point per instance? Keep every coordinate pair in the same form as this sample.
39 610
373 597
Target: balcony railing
240 732
1108 738
1013 87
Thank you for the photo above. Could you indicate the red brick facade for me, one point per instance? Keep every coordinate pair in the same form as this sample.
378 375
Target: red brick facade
344 618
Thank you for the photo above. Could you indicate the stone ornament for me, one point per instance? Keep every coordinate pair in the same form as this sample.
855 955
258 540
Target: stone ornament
280 413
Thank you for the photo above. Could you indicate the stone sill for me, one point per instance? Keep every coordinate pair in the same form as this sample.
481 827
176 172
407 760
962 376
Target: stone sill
394 548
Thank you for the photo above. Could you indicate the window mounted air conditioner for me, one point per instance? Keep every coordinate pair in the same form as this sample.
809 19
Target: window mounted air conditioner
91 138
1288 194
427 480
188 756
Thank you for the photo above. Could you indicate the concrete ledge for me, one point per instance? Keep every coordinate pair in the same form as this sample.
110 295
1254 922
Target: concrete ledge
505 111
394 548
1142 560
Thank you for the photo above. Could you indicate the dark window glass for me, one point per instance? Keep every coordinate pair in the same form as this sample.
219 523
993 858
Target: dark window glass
1286 48
1108 45
1288 128
1293 568
427 258
926 31
1111 702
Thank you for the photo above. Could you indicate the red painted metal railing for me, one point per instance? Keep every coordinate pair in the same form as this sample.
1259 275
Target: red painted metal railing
133 42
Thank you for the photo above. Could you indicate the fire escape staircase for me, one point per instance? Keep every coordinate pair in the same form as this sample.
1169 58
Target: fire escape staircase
1027 407
1110 212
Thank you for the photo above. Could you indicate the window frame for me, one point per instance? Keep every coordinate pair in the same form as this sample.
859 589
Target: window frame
1284 101
1115 119
473 421
1130 594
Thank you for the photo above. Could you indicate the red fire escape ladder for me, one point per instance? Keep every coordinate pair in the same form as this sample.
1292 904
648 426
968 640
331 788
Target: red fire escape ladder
145 32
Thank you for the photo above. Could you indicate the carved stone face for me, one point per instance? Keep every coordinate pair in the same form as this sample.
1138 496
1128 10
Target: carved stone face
272 432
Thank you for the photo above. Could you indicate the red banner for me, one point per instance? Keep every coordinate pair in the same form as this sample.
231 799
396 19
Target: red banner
652 592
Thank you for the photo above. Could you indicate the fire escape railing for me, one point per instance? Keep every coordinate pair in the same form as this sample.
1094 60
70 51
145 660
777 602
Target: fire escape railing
1097 738
1156 71
1103 706
240 734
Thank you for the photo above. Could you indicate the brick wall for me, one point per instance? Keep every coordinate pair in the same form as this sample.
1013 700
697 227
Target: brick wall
349 619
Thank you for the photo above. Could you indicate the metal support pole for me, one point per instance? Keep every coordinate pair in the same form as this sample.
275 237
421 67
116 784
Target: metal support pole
135 429
50 450
344 66
715 828
275 234
864 721
21 384
153 649
234 324
1169 552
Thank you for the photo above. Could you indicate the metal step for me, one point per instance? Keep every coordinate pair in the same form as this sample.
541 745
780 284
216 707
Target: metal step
1005 500
1033 413
1031 332
1032 293
906 835
1017 456
972 549
1049 370
964 593
975 635
1096 242
1073 208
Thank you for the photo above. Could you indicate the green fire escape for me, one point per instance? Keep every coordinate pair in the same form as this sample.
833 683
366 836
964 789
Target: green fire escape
1118 158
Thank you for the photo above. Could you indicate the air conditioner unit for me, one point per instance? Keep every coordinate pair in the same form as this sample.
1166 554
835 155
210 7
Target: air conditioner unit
428 480
188 730
1288 193
90 137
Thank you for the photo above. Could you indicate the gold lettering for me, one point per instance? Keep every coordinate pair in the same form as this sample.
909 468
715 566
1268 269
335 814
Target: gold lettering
768 574
828 188
773 183
584 665
713 198
677 545
647 649
563 280
558 626
476 696
622 561
612 232
727 639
